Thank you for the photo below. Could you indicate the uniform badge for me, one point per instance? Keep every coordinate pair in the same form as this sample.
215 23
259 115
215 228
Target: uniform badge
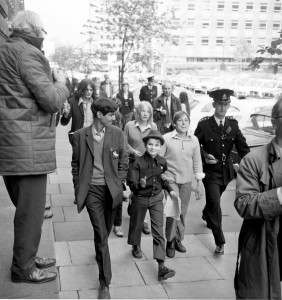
228 130
115 154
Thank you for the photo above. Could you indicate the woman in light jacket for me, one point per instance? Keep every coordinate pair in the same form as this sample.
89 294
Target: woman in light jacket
182 152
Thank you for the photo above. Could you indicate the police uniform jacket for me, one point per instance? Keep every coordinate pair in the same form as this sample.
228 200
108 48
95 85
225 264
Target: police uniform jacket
147 94
219 143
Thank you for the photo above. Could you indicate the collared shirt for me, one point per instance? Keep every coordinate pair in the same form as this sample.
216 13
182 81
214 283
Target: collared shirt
183 157
218 120
98 135
88 115
144 177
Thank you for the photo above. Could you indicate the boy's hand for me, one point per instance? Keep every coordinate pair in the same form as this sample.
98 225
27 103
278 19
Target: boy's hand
143 182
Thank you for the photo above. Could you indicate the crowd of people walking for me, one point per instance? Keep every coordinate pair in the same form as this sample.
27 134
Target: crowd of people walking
141 151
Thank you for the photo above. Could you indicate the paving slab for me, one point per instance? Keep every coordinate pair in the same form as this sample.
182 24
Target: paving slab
73 231
58 214
71 214
205 289
53 189
62 200
63 257
69 295
67 188
224 264
82 252
231 240
129 292
55 179
187 269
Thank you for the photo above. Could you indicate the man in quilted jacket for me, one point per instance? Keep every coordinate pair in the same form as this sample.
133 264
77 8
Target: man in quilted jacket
30 96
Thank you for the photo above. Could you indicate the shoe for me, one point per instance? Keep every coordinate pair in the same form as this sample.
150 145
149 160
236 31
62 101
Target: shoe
44 262
146 229
179 246
35 276
117 231
170 249
48 214
136 251
219 250
165 273
104 292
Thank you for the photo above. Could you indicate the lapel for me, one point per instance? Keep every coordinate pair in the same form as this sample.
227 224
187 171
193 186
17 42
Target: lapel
273 164
89 139
213 125
80 106
107 140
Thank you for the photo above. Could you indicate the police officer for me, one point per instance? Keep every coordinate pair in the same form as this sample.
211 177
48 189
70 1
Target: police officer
217 136
149 92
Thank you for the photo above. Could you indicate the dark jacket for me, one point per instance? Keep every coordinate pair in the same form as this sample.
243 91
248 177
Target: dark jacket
125 105
220 145
257 276
115 163
29 100
160 119
76 114
151 168
147 94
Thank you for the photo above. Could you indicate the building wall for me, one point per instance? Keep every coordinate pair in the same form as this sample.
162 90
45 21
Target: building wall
216 28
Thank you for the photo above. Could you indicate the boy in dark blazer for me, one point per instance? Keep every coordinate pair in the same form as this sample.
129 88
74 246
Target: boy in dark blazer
99 167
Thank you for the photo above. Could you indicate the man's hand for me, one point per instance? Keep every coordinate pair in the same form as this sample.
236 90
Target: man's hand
210 159
66 108
59 76
236 167
137 153
163 111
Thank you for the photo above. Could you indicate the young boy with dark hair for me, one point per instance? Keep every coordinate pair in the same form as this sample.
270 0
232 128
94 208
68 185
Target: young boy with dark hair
144 179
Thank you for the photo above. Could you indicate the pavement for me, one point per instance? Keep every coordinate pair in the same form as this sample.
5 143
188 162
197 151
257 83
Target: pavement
69 236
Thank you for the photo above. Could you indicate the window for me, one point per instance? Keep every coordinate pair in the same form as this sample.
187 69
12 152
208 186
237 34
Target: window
206 24
191 6
249 6
263 7
234 24
233 41
205 41
235 6
276 26
219 41
248 24
206 5
189 41
219 24
220 6
262 25
277 7
190 23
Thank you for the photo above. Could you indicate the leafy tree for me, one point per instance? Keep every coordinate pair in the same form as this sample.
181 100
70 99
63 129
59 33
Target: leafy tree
273 49
134 23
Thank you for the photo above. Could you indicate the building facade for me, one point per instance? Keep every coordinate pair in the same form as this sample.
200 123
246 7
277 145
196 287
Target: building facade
217 31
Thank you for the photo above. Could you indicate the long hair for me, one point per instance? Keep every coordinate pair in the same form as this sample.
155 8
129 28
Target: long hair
144 105
82 86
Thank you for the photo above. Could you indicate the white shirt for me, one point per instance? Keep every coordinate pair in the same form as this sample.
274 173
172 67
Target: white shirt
88 115
218 120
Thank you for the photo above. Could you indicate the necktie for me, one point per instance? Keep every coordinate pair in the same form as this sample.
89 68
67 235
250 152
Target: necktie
167 116
220 126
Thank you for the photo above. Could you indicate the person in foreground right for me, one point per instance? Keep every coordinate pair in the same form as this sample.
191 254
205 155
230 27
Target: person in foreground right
259 202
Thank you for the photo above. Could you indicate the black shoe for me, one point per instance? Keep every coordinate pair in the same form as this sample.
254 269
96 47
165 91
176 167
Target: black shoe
44 262
104 292
170 249
136 251
165 273
219 250
146 229
35 276
179 247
